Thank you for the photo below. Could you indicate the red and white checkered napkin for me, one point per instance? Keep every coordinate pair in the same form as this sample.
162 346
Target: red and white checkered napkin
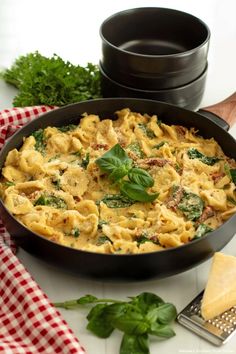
29 323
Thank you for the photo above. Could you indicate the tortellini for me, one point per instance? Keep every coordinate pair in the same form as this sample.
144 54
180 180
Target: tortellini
54 187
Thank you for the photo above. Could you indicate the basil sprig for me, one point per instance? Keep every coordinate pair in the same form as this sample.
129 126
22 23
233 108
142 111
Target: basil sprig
117 164
142 315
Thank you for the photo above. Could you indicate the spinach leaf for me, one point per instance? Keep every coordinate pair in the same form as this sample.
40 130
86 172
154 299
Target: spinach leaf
191 205
9 184
208 160
51 200
231 200
136 149
158 146
140 176
148 132
134 344
136 192
40 144
233 175
75 232
100 223
201 231
85 161
67 128
102 239
116 201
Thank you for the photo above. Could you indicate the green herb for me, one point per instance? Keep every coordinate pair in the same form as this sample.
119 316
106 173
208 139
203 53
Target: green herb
158 146
136 192
85 161
102 239
51 200
150 134
159 122
201 231
67 128
208 160
9 184
136 149
116 201
231 200
227 170
118 165
140 176
75 232
191 205
55 157
142 315
40 144
100 223
56 182
77 153
52 81
233 175
142 239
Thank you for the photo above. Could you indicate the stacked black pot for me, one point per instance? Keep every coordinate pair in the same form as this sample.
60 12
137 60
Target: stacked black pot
155 53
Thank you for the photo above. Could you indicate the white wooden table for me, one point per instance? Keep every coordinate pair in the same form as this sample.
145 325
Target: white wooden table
70 29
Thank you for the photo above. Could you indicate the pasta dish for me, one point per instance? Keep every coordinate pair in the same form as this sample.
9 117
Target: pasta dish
124 186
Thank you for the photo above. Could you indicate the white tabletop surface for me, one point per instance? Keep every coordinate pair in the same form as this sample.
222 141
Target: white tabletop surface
71 29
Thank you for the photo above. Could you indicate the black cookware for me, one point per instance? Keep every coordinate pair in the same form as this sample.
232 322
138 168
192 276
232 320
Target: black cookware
154 48
127 267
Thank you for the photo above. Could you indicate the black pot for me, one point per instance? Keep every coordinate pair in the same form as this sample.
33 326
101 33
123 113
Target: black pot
127 267
154 48
187 96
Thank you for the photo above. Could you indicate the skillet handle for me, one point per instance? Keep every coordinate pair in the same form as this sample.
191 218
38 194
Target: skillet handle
224 110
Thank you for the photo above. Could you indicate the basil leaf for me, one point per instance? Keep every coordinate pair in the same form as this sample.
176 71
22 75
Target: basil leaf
208 160
132 344
146 301
137 192
131 323
191 206
163 331
233 175
202 230
140 176
98 323
87 299
116 201
164 314
119 172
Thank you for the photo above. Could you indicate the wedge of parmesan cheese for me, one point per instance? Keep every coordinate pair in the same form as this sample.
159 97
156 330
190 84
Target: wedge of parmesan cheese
220 291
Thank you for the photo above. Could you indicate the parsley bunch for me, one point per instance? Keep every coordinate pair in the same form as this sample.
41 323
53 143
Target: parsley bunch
144 314
51 81
117 164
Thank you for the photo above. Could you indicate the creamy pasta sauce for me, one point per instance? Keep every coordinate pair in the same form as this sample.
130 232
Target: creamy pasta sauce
54 186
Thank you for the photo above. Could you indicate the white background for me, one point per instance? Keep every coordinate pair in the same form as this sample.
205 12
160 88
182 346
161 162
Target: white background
71 29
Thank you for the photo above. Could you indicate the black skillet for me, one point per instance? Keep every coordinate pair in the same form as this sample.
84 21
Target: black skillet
138 266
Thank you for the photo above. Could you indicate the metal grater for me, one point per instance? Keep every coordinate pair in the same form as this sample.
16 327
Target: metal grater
217 331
